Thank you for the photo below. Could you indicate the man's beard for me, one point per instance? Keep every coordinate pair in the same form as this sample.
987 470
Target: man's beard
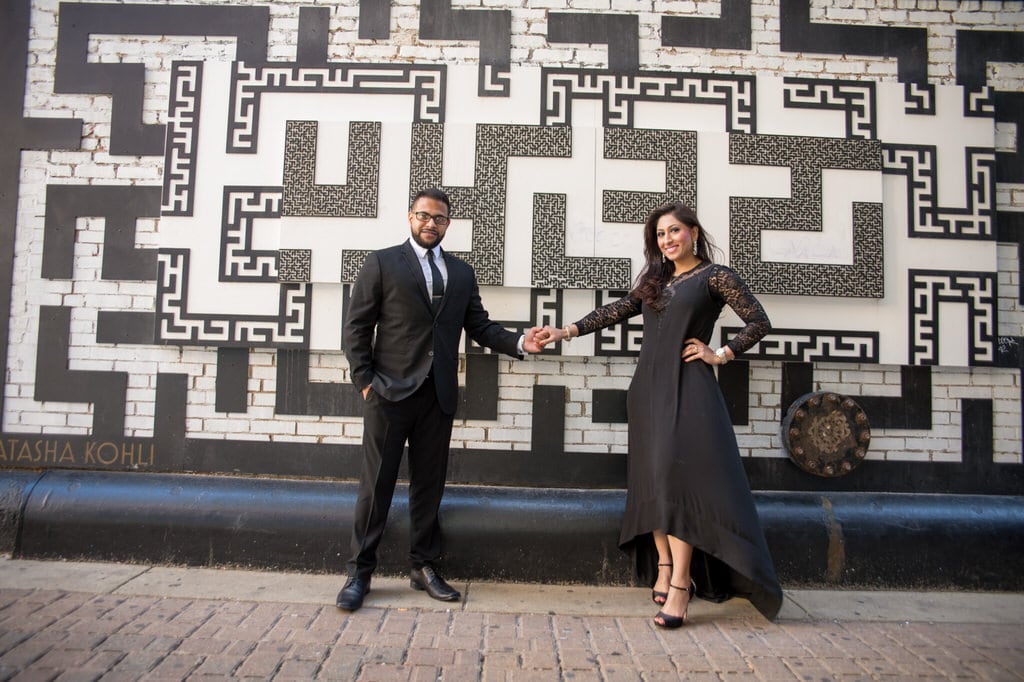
419 240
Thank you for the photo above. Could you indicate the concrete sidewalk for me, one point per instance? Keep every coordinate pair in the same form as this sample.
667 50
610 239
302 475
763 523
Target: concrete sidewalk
77 620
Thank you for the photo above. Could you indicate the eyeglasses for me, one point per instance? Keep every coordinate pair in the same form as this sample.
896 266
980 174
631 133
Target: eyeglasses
439 219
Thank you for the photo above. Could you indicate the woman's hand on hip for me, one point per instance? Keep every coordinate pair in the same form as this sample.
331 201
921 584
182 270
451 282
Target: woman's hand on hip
695 349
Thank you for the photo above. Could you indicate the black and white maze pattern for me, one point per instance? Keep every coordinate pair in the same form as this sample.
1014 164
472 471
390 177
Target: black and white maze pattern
239 261
484 203
795 345
735 94
179 326
620 93
925 217
492 28
929 288
751 217
248 25
357 197
182 147
424 83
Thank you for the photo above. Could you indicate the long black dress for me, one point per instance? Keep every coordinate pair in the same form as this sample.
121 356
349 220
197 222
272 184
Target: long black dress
685 475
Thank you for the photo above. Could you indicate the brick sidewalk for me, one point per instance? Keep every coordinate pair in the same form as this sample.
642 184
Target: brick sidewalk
46 634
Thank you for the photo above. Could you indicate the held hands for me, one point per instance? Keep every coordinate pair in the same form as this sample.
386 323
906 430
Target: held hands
550 334
531 343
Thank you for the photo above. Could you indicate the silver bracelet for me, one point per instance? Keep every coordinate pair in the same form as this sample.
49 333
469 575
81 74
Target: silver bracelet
568 335
722 356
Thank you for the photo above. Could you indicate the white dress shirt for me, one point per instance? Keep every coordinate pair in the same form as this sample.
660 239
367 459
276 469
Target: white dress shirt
421 254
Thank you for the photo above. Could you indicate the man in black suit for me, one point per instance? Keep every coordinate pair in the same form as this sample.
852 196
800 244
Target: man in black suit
409 306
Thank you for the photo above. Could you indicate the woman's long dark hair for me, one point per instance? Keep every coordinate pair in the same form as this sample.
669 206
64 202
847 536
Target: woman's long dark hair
656 273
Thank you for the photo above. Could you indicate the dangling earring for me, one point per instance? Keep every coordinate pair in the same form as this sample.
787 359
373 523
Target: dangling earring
662 258
694 247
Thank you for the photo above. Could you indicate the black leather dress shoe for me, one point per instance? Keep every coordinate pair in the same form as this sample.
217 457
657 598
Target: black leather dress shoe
351 596
426 579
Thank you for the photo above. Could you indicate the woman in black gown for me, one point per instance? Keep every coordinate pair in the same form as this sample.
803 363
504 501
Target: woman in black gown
690 520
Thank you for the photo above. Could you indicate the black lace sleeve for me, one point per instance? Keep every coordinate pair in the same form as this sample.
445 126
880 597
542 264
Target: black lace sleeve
610 314
730 288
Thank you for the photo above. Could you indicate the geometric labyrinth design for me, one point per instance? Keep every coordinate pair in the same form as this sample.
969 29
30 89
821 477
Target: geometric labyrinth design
919 99
552 268
619 93
546 307
925 217
352 262
485 202
979 102
240 262
801 345
182 149
357 198
749 217
288 328
857 100
295 265
424 83
929 288
677 148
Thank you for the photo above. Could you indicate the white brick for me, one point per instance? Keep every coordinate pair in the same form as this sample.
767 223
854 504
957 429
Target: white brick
468 433
490 445
80 421
518 380
138 173
44 419
222 425
605 383
518 408
496 435
887 442
1006 434
970 392
575 409
570 381
839 15
291 437
1007 456
622 370
911 456
260 372
515 393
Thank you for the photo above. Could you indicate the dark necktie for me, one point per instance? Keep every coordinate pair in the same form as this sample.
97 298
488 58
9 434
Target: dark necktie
437 281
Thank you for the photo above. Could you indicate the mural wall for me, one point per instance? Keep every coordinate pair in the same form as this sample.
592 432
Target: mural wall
189 189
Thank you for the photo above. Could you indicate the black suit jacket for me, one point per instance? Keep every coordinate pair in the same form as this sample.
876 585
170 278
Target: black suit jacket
392 337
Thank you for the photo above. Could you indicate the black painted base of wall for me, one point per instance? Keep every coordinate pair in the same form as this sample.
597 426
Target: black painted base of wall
892 541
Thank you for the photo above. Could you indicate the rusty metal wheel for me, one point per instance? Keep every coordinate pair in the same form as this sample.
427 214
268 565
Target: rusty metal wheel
826 434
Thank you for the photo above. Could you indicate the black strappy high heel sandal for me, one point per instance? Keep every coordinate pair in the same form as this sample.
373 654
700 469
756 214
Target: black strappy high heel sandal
672 622
659 597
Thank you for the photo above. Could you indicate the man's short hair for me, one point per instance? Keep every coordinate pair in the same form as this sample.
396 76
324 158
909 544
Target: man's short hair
432 193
